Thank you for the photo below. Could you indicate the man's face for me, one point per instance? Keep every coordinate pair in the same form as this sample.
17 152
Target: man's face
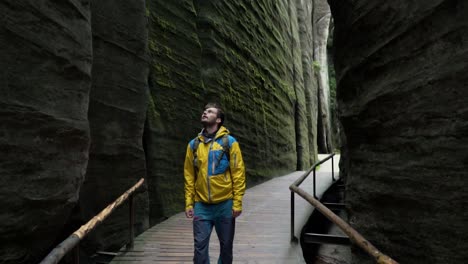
210 116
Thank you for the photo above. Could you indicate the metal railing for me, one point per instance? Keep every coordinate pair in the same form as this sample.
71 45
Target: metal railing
353 235
72 242
299 182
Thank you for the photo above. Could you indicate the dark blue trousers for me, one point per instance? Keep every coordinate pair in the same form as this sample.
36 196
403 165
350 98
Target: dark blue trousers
205 217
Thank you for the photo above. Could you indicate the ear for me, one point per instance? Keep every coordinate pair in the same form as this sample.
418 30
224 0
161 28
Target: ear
218 120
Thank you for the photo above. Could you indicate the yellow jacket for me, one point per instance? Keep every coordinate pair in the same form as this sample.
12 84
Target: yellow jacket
214 184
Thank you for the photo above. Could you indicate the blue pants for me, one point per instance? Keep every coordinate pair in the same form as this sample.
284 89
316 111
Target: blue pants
205 217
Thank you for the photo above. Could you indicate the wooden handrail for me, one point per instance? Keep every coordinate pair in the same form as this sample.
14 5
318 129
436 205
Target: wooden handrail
69 243
307 173
353 235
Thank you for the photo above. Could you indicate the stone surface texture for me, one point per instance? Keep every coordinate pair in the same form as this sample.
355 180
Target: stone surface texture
306 30
402 89
175 103
44 135
321 20
117 112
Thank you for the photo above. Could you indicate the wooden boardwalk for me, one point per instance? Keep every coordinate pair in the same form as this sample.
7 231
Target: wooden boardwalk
262 231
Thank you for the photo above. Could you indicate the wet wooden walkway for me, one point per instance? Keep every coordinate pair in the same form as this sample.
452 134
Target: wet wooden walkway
262 231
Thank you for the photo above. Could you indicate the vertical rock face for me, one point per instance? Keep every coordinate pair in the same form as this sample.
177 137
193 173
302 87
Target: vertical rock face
308 96
321 21
176 100
402 89
247 55
46 57
117 112
248 65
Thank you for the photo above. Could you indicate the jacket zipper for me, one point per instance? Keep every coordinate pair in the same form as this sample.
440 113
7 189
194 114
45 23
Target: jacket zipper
208 176
229 167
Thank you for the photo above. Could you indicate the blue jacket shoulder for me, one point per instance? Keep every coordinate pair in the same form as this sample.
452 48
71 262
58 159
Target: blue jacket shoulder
231 140
192 143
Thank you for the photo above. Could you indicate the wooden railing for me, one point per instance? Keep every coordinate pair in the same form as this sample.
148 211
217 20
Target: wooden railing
72 242
353 235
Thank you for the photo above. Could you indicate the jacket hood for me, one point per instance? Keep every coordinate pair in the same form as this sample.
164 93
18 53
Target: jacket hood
221 132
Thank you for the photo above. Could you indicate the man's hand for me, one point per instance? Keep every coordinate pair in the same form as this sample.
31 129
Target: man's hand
189 213
236 213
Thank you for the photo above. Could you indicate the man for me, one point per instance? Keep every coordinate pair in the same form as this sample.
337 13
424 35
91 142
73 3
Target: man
214 185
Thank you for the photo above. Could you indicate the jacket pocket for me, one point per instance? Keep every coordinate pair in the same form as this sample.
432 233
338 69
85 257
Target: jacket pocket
221 189
221 166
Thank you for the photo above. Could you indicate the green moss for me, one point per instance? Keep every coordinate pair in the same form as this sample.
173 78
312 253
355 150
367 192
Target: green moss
164 24
152 113
316 66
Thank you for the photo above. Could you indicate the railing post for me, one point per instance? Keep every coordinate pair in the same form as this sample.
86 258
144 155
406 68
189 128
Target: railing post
292 216
333 169
76 254
131 223
315 196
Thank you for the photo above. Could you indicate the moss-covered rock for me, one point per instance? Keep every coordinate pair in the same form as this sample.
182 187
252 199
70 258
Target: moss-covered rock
177 92
244 54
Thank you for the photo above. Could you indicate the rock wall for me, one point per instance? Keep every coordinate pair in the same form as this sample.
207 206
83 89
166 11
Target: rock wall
74 99
44 134
252 57
306 30
176 88
321 20
402 89
117 112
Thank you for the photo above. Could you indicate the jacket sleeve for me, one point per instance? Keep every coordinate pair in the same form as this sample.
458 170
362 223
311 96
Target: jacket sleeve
189 178
238 176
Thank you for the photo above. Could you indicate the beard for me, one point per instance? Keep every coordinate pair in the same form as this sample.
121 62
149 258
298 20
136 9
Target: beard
207 122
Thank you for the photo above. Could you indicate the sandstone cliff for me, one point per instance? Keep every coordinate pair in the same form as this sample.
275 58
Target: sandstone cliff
321 16
74 98
117 111
44 131
402 89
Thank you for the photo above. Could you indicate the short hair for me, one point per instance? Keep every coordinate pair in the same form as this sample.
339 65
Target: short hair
220 112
